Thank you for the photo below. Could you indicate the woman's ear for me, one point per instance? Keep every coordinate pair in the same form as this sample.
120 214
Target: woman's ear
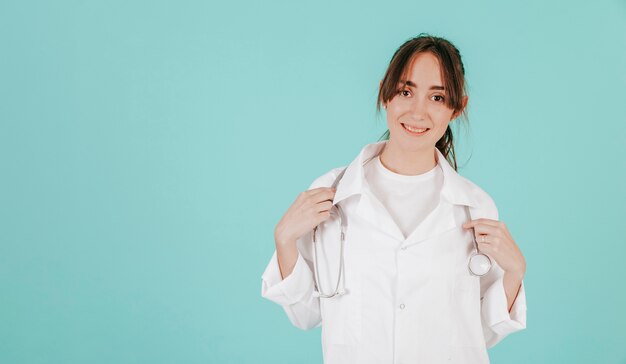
464 100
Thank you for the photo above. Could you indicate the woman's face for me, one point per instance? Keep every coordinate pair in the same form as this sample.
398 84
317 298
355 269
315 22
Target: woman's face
419 104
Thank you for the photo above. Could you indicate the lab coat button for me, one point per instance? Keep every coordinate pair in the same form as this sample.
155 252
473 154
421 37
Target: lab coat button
402 306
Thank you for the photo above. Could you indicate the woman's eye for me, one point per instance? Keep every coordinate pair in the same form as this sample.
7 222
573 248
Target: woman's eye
405 92
438 98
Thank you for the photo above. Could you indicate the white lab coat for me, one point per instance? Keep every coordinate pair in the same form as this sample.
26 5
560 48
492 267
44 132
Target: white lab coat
408 300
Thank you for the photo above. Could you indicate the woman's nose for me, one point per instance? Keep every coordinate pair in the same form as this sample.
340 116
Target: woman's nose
418 108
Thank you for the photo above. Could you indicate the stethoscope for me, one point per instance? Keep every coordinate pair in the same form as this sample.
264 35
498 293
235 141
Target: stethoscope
478 265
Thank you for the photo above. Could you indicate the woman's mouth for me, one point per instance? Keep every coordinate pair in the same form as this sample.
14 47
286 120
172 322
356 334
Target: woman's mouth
414 130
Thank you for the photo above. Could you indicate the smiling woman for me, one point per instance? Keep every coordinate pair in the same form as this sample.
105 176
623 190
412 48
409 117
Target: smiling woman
428 76
385 271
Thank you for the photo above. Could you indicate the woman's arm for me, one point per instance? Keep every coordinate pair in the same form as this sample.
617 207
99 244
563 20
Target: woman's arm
503 297
493 237
287 255
296 292
512 284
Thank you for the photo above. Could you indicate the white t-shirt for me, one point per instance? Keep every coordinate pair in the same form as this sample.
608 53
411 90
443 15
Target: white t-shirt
408 199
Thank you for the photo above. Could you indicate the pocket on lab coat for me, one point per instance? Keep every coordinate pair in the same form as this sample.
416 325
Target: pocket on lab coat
467 326
341 316
452 250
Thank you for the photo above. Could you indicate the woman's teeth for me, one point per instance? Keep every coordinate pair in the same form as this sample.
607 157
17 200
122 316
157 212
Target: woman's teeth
415 130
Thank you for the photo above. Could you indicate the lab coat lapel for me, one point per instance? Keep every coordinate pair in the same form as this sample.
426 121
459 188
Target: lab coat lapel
371 210
483 212
354 177
368 207
439 220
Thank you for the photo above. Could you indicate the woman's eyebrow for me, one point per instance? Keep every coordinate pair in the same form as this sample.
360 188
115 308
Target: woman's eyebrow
412 84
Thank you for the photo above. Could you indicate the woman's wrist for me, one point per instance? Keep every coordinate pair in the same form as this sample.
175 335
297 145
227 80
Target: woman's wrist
518 273
283 240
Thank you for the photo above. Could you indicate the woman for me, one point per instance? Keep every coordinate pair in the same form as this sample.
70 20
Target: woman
406 293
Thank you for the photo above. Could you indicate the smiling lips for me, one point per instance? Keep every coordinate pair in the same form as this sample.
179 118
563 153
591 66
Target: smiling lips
415 131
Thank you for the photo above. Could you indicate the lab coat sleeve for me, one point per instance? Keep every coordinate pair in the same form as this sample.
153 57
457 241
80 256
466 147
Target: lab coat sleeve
296 293
497 321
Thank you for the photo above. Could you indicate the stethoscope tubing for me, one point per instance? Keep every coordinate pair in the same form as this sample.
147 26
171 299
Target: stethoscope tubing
341 261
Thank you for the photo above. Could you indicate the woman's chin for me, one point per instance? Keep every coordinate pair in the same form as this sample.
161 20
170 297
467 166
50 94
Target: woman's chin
410 144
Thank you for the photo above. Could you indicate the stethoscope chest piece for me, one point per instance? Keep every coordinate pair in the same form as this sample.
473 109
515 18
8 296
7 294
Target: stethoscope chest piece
479 264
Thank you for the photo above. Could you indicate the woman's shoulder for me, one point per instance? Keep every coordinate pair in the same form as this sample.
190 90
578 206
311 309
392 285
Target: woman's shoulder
326 179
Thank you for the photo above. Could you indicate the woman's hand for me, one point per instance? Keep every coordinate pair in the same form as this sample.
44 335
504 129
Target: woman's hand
308 210
494 239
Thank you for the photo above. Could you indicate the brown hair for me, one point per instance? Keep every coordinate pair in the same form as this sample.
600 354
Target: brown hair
453 77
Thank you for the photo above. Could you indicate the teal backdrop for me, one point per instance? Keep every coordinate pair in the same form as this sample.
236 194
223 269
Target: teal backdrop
148 149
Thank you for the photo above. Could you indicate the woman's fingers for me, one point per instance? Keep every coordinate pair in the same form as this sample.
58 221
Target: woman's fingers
322 193
323 206
481 224
494 239
485 229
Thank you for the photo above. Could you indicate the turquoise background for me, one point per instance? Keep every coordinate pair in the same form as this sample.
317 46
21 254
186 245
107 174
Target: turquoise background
148 149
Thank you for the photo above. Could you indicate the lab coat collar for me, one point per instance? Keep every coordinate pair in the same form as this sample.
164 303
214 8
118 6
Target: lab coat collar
455 188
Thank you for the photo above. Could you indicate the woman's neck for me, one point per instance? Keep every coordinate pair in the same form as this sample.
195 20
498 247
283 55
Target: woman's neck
408 163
